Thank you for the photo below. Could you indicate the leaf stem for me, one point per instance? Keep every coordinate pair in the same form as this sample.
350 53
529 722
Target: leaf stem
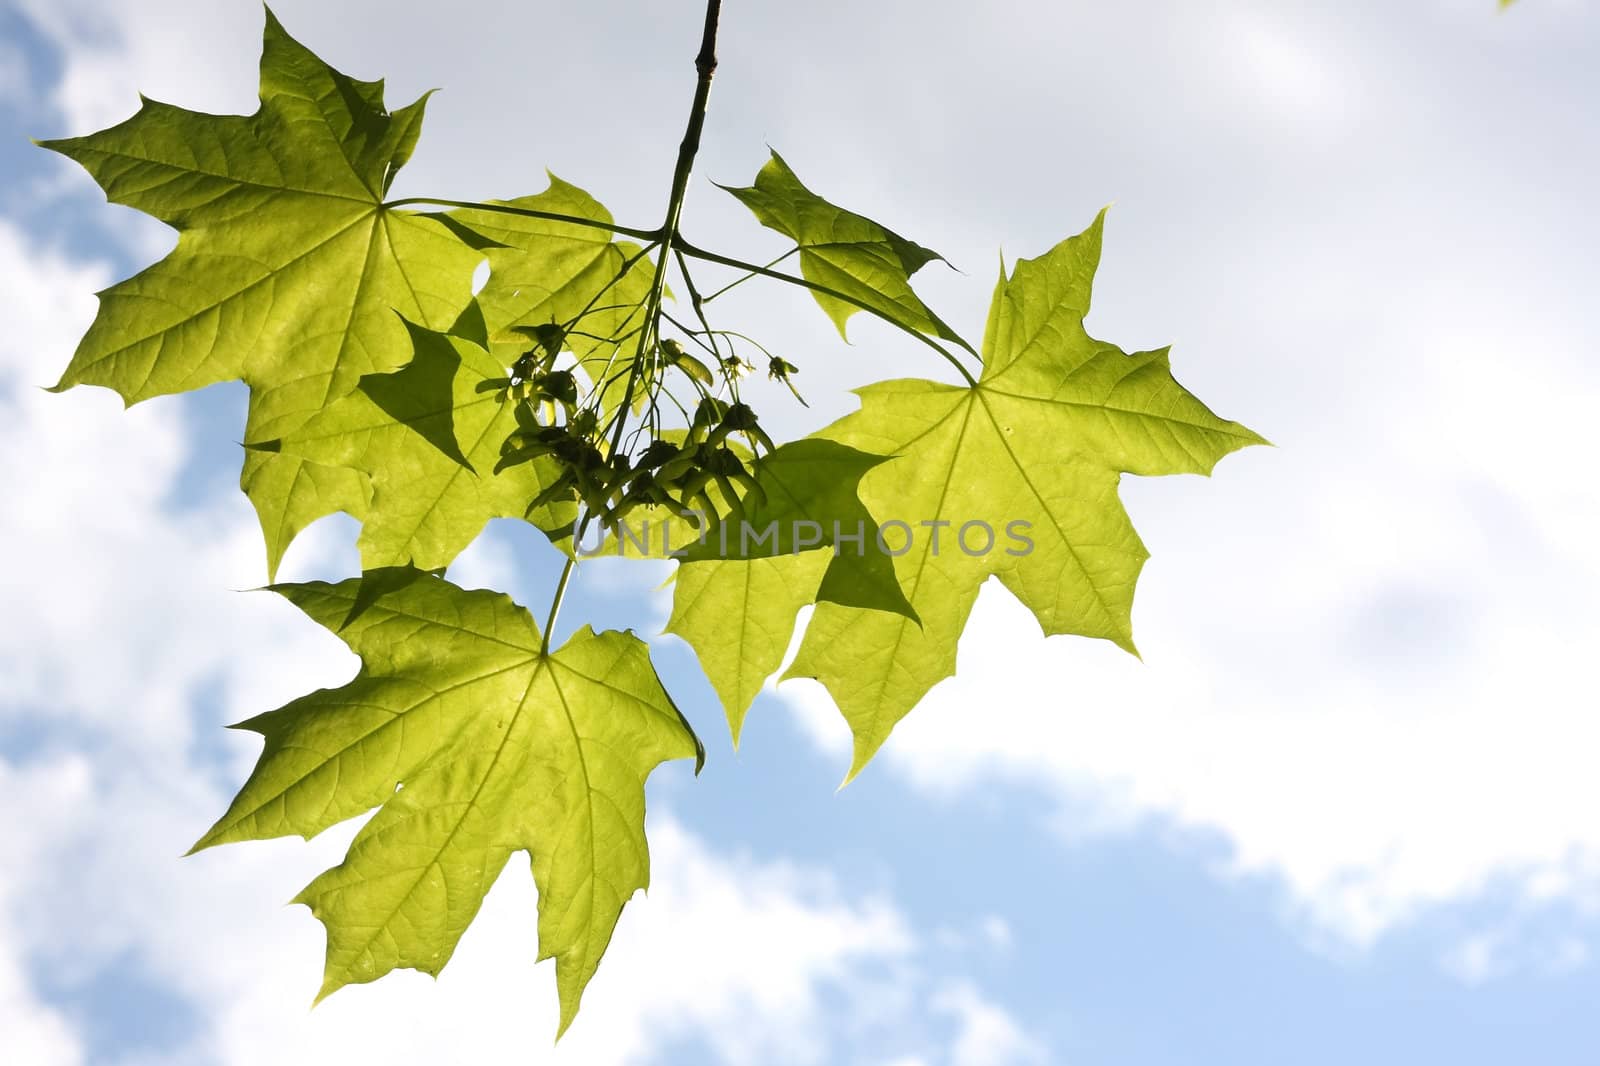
748 340
528 212
695 300
736 282
555 601
695 252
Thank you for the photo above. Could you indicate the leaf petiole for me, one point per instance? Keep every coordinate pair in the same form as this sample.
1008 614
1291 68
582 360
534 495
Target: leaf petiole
736 282
697 252
560 594
653 236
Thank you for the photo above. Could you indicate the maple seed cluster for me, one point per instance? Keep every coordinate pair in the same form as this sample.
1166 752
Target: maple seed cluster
676 468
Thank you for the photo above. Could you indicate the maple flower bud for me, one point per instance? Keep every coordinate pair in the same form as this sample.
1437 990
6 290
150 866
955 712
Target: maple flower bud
780 369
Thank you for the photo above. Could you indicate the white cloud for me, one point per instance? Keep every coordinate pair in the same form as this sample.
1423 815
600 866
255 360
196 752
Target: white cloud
101 44
35 1031
986 1035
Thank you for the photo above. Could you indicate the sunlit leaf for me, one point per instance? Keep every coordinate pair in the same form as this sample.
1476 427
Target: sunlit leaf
1015 478
855 256
473 744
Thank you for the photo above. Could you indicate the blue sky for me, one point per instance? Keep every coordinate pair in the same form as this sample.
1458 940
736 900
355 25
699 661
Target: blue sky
1343 811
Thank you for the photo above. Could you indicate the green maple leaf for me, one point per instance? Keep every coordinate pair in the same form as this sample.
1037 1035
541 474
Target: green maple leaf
1043 438
428 438
738 615
846 252
288 268
473 743
804 538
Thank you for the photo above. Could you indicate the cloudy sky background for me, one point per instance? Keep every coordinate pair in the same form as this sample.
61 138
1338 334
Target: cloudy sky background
1345 810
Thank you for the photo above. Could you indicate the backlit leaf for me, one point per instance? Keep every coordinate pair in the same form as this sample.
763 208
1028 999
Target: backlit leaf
288 269
473 744
1042 439
844 251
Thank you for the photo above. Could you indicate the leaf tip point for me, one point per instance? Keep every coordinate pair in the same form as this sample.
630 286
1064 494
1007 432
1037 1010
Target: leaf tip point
858 762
